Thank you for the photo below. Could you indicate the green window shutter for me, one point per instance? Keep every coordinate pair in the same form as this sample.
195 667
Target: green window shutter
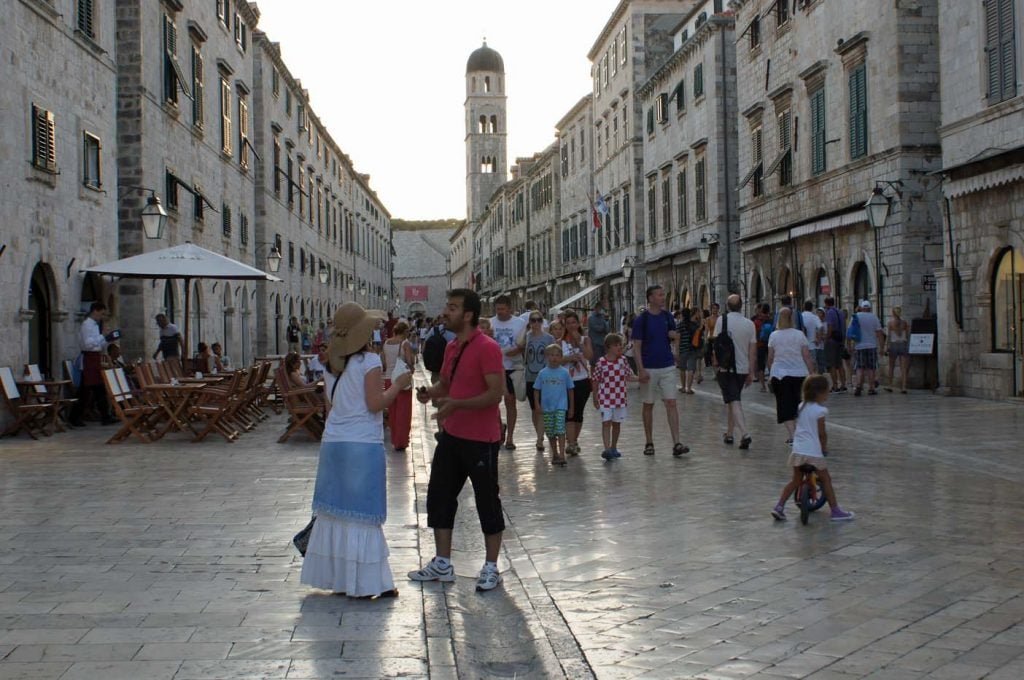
650 121
1007 50
858 112
818 132
992 51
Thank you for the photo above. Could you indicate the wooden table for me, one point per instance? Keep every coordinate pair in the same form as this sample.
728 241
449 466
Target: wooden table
174 400
45 396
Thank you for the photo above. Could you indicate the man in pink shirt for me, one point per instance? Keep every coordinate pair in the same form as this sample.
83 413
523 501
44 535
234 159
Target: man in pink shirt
472 385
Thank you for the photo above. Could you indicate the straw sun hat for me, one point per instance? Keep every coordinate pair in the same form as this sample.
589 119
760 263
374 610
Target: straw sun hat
353 327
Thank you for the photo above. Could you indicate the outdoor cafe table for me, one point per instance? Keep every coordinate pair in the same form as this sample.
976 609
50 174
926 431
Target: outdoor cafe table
174 400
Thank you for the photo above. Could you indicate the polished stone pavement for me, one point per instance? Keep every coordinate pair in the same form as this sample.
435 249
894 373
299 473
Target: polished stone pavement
173 560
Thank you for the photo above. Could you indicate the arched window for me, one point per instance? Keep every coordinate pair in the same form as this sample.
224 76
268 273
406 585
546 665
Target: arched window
170 306
487 83
1008 303
473 83
758 289
40 330
482 125
822 287
494 125
861 282
787 286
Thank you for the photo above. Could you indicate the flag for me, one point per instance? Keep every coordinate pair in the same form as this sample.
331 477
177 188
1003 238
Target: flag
597 217
416 293
602 207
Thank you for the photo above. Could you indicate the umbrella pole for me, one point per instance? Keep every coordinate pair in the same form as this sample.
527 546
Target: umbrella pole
188 314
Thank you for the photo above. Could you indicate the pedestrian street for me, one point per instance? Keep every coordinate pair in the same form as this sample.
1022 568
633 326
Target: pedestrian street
172 560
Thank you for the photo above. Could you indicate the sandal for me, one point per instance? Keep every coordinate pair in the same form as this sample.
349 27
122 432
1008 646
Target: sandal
540 446
649 449
745 442
572 449
559 461
727 438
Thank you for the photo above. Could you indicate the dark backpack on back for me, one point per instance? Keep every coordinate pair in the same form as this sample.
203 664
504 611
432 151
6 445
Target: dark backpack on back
433 351
724 349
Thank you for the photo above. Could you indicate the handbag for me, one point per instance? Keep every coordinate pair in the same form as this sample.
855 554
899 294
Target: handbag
301 539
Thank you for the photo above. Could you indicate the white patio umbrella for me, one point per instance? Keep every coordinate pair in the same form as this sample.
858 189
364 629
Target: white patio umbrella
187 261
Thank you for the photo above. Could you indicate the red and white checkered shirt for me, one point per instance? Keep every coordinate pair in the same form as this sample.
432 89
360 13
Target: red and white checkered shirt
611 377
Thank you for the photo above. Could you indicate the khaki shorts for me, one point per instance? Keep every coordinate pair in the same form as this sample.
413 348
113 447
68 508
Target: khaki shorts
662 385
796 460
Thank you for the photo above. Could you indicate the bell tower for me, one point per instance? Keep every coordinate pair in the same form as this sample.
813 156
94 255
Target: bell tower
486 129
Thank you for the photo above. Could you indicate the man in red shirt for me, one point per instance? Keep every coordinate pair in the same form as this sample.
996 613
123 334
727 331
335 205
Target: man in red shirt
472 385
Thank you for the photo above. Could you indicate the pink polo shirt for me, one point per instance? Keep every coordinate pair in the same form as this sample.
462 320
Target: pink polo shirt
481 356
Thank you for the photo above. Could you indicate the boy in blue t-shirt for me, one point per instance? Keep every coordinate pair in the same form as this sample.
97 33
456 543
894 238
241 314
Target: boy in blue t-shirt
555 387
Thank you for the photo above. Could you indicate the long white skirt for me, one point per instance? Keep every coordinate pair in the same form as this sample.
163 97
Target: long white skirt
347 556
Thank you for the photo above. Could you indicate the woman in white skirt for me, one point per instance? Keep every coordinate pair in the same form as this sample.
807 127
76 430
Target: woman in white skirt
347 552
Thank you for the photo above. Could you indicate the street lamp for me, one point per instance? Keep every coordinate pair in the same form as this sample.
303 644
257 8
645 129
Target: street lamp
350 283
628 265
324 273
273 255
154 217
878 209
704 253
581 279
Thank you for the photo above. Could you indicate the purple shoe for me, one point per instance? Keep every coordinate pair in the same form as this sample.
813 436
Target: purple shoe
840 515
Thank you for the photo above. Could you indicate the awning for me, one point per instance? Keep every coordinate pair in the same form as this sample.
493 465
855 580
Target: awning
777 162
986 180
578 296
829 223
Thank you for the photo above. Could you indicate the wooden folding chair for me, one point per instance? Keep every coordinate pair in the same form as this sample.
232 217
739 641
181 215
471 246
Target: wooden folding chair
32 417
216 406
134 415
174 368
48 391
304 406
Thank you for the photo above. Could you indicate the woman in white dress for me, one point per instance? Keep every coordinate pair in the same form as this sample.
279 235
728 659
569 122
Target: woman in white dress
347 551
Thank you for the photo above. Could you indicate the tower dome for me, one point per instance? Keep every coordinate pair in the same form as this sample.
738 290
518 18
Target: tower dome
485 59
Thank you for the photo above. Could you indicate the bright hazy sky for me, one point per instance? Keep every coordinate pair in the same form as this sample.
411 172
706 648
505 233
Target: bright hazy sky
387 78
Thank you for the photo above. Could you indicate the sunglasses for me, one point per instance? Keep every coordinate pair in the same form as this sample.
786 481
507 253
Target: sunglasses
536 318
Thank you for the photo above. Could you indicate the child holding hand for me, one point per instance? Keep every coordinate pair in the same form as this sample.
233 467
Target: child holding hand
556 398
610 375
810 442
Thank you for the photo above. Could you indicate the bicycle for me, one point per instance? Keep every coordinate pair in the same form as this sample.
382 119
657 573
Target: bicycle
810 495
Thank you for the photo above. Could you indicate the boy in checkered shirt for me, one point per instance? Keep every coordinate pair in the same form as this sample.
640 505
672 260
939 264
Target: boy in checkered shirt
610 375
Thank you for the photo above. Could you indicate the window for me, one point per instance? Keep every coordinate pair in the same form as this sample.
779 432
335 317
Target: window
291 255
661 108
755 33
44 139
652 213
818 164
287 102
615 57
858 112
225 220
1000 50
604 70
86 18
275 82
627 222
622 45
584 239
698 80
597 137
650 121
277 167
91 168
565 159
243 229
757 161
679 96
302 260
681 197
174 78
243 133
625 121
226 144
300 111
786 148
617 221
198 205
241 33
290 168
666 202
700 201
197 88
222 12
583 145
781 12
574 242
171 187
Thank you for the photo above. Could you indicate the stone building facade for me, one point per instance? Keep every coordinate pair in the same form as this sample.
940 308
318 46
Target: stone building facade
635 41
981 279
689 163
460 258
58 194
575 236
837 98
313 206
421 270
542 227
108 103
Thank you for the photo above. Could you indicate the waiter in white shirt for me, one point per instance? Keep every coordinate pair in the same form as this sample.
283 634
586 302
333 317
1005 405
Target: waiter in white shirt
93 344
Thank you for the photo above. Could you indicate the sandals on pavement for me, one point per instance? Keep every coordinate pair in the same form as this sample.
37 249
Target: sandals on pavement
745 442
727 438
649 449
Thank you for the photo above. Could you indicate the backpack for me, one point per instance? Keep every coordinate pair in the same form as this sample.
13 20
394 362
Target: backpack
724 349
853 333
767 328
697 337
433 351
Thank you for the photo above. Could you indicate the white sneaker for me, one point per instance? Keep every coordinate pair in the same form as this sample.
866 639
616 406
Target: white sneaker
433 572
488 580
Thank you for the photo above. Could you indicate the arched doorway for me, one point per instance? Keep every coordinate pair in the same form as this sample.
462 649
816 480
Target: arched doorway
228 332
170 301
822 287
787 283
246 351
757 286
1008 312
705 298
861 283
40 328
